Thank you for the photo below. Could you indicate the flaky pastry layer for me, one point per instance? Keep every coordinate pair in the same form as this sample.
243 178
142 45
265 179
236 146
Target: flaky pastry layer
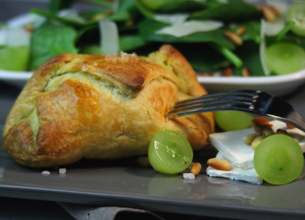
102 107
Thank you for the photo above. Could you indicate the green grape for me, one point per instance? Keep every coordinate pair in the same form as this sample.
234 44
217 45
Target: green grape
284 58
14 58
278 159
296 14
169 152
233 120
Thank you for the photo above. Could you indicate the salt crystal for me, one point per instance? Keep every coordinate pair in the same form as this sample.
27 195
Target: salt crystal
62 170
45 173
188 176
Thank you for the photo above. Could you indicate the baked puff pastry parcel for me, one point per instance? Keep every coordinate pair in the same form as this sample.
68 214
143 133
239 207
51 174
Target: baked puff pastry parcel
102 107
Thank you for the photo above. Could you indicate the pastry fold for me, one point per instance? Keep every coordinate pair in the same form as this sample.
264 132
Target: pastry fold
102 107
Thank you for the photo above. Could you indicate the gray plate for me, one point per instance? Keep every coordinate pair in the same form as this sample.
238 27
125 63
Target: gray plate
122 183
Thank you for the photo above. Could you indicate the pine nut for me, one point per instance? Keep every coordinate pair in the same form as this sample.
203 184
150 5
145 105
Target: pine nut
268 14
256 142
241 30
219 164
245 72
234 38
227 72
196 168
267 131
249 138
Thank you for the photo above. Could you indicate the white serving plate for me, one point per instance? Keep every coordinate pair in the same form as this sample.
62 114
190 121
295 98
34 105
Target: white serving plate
277 85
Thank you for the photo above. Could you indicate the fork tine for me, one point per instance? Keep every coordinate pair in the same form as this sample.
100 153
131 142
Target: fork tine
237 93
212 103
241 97
251 101
232 100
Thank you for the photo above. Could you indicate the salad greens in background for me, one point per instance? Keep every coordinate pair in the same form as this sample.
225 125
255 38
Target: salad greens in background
198 29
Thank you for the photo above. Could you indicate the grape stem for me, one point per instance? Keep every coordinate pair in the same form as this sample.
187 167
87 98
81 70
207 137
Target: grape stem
228 54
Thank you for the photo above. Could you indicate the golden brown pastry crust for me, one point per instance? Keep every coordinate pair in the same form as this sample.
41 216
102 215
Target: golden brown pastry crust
103 107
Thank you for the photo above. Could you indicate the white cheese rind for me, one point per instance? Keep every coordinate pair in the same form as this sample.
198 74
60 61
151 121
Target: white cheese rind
231 146
236 173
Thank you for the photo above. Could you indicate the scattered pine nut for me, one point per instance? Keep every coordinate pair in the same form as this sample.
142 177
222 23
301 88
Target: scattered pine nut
241 30
234 38
227 72
267 131
256 142
248 139
245 72
196 168
219 164
268 14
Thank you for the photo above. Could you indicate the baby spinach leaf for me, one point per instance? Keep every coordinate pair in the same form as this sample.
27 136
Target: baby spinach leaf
249 53
164 18
131 42
126 10
253 31
234 10
49 41
169 6
56 5
91 49
104 3
50 16
148 28
202 57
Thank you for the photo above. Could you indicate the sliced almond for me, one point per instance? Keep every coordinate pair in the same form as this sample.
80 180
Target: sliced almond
219 164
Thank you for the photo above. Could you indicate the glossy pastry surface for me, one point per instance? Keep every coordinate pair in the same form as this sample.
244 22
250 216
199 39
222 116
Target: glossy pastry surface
102 107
